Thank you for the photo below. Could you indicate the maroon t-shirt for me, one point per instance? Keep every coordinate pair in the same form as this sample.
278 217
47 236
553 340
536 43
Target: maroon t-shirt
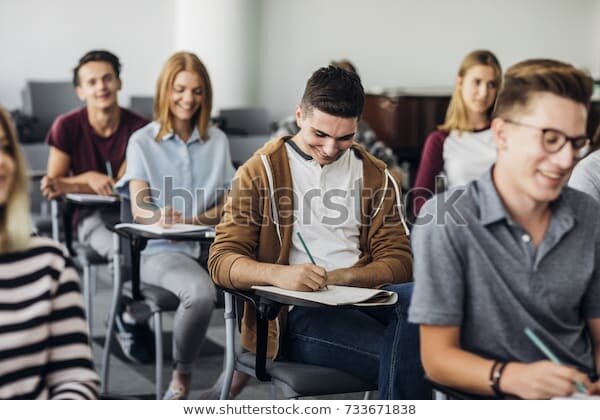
72 134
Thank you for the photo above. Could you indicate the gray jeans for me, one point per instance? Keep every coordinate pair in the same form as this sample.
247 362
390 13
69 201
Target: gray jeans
92 231
184 277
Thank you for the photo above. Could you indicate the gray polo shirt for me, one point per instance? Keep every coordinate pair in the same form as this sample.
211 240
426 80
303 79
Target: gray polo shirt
484 274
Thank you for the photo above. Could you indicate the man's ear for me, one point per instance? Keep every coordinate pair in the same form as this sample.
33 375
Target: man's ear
79 92
119 84
499 127
299 116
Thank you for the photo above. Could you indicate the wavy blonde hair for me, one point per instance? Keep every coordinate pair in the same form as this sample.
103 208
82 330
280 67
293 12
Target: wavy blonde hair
15 236
178 62
456 116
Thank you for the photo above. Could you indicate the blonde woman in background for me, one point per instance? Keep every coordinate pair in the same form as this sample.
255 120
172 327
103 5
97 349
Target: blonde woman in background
462 148
44 351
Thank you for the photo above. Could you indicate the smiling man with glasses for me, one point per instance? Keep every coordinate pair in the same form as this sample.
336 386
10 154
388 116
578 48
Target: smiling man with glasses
526 255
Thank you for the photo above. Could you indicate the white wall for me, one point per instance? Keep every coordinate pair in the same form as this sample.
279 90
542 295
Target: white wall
412 43
262 51
595 16
43 40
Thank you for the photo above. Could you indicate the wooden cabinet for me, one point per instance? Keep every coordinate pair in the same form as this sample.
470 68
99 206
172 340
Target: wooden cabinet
404 121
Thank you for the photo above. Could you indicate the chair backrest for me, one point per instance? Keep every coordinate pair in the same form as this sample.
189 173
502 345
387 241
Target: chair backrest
250 120
47 100
143 105
36 155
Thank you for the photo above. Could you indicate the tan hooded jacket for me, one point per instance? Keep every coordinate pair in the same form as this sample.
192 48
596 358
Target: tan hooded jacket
257 222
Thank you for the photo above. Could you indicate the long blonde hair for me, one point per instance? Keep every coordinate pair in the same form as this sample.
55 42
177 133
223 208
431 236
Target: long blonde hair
15 225
178 62
456 116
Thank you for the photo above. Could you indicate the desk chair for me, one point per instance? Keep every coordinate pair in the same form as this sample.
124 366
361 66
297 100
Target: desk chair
36 155
147 300
443 392
84 254
293 379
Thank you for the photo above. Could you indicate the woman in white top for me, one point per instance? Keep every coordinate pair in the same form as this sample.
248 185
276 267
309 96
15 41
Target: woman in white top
44 350
178 168
462 148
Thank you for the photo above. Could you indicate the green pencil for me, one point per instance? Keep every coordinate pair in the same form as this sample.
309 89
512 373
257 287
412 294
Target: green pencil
548 353
109 171
312 260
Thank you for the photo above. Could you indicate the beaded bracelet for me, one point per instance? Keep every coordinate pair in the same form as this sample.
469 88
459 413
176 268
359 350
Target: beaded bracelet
495 376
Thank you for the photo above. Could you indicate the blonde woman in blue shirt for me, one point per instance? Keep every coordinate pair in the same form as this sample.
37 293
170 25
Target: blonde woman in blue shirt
178 168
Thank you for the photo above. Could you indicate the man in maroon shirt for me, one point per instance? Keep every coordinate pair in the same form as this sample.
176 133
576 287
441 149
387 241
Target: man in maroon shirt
87 149
87 145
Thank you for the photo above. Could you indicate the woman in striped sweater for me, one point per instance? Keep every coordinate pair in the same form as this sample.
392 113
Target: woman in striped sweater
44 351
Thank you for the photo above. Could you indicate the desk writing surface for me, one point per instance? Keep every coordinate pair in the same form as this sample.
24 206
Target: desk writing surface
92 198
176 232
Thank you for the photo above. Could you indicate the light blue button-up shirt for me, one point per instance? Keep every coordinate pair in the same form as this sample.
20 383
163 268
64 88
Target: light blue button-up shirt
187 176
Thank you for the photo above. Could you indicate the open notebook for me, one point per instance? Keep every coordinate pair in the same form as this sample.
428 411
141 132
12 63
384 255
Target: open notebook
176 228
338 295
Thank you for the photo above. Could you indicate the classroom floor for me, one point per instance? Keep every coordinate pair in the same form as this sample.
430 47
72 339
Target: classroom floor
129 379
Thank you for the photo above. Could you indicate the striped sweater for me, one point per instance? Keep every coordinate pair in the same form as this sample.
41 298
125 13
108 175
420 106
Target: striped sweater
44 351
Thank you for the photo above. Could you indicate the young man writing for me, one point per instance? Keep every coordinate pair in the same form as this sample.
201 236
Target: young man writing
520 251
347 208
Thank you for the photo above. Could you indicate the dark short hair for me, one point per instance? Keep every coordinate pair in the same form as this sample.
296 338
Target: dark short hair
97 55
528 77
334 91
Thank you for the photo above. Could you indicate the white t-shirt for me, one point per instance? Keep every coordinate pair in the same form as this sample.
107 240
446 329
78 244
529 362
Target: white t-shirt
326 209
468 155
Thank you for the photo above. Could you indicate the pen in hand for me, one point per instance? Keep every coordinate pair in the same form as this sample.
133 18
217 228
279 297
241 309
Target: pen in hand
312 260
109 172
548 353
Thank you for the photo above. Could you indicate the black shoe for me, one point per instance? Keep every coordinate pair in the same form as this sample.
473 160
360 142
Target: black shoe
136 340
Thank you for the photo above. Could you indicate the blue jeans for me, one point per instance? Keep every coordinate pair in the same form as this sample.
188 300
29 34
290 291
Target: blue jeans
377 345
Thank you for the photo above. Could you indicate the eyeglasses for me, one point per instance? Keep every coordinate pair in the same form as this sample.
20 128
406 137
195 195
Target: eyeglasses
554 140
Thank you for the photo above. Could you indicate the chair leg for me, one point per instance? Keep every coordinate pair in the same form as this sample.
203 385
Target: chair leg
438 395
87 296
159 354
368 395
93 278
229 362
117 285
273 389
55 222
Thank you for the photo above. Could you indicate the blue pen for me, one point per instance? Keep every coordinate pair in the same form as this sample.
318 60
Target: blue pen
548 353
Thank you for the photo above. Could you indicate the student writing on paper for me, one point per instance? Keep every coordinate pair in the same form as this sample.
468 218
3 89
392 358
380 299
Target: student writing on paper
347 208
178 168
516 250
44 350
